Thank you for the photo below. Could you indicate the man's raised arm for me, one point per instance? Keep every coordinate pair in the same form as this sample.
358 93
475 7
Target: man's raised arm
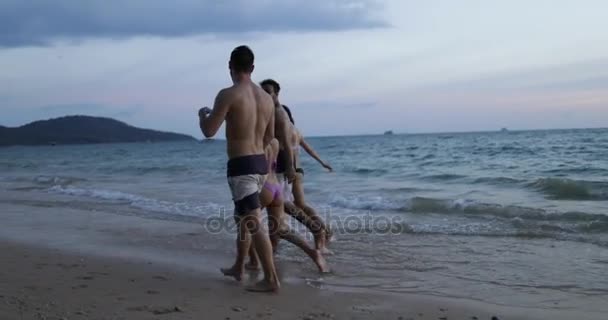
210 121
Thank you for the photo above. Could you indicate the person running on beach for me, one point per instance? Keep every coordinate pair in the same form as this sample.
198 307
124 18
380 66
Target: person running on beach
271 198
249 115
287 160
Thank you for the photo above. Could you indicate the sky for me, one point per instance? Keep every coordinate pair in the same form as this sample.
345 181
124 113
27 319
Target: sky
345 66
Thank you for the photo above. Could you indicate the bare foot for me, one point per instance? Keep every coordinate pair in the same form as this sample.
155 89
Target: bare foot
233 272
320 262
263 286
252 266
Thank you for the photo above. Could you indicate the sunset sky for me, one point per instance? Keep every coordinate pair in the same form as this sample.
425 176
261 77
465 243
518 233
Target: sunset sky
346 67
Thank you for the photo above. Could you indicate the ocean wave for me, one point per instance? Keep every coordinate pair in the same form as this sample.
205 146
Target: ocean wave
518 229
567 189
368 203
143 170
444 177
582 170
499 181
368 171
470 218
421 205
56 180
141 202
18 165
402 190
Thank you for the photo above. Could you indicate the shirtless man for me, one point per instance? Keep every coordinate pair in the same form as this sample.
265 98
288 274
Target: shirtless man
249 115
287 161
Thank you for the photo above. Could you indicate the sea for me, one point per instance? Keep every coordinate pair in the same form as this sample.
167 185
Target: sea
513 218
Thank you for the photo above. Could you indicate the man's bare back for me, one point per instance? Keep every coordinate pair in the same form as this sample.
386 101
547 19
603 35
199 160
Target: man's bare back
248 112
248 119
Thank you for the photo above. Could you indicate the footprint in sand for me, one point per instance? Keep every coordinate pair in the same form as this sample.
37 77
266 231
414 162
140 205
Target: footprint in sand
152 292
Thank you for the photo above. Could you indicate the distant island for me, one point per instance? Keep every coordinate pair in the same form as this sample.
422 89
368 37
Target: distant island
82 130
388 133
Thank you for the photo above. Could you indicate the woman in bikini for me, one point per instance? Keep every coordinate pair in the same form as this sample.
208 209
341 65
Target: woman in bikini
295 203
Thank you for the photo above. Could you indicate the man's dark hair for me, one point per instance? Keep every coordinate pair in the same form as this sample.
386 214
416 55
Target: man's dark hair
241 59
270 82
289 114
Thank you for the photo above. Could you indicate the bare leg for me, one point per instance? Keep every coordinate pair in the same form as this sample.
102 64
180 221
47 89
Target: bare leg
254 261
299 201
262 245
266 199
315 255
313 226
243 241
322 236
275 213
279 229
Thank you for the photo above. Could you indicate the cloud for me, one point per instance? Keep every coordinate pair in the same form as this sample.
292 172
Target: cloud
42 22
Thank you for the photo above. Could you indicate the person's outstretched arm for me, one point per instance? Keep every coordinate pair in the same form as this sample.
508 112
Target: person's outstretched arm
309 149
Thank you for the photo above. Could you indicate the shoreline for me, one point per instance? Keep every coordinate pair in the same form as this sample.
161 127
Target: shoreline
52 284
78 264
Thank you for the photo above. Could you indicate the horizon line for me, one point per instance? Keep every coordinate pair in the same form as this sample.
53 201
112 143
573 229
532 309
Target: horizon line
197 137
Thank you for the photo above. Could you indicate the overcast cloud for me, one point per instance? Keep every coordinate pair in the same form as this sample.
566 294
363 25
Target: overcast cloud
41 22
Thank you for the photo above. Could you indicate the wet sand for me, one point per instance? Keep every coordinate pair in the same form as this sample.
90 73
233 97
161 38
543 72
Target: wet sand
75 264
50 284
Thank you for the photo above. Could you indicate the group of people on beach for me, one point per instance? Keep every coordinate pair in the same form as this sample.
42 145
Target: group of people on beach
263 172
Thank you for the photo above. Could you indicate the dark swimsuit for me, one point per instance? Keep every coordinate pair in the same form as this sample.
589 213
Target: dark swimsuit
281 160
245 173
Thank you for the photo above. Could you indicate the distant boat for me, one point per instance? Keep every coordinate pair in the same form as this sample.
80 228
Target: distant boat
388 133
504 130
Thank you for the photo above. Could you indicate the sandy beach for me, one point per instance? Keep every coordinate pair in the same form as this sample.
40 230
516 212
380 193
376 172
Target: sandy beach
78 264
50 284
